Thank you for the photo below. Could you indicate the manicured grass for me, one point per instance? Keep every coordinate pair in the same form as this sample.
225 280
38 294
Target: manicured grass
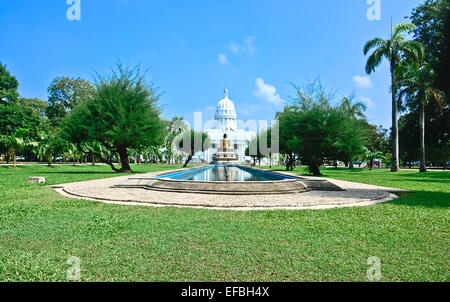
40 229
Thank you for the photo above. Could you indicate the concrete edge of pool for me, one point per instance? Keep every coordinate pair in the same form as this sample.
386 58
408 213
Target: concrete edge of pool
103 190
286 184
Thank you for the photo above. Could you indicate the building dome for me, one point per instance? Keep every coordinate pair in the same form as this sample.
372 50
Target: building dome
225 108
225 115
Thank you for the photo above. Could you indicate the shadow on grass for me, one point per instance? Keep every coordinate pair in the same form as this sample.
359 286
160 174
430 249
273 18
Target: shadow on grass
425 199
85 172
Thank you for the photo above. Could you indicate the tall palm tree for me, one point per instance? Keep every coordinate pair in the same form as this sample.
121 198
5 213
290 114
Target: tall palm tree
175 127
354 110
393 49
415 87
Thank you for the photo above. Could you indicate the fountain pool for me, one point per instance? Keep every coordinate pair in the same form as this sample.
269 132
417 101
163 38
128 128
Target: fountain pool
227 180
225 173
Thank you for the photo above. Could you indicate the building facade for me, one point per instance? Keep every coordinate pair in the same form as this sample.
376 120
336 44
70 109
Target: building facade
226 122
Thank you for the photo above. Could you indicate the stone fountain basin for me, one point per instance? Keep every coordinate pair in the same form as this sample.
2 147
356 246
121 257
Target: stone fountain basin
285 186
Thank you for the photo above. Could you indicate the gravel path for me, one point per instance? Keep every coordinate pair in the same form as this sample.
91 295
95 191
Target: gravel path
355 194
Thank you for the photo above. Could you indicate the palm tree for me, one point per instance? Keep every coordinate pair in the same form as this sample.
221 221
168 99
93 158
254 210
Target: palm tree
174 128
187 142
354 110
45 147
393 49
415 87
14 143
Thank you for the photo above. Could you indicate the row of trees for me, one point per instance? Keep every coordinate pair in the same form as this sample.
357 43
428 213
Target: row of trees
119 115
420 78
315 129
106 122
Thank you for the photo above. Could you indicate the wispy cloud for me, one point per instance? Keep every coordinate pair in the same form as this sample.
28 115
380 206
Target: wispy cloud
223 59
267 92
247 46
362 81
246 109
367 101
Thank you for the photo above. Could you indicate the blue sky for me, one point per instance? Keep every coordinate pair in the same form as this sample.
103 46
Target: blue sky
196 48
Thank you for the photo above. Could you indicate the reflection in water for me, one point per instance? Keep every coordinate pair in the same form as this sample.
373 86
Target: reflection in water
225 173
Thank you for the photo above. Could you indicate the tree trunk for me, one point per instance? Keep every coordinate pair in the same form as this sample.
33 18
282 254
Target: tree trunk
14 159
187 161
395 144
314 169
124 161
290 162
351 166
423 163
270 160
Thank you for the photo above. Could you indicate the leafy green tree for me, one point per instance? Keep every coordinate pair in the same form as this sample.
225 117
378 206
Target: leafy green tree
45 147
8 86
18 120
354 111
262 139
377 137
393 49
286 119
316 131
415 87
174 128
37 106
370 156
123 114
14 142
191 142
64 94
154 154
256 156
14 116
432 20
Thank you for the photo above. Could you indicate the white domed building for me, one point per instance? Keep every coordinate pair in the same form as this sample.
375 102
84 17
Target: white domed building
226 123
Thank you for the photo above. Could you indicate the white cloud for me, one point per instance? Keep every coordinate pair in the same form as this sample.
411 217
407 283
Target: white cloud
223 58
248 46
362 81
234 47
367 101
267 92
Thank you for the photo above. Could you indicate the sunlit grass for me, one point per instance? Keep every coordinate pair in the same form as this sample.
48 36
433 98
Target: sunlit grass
40 229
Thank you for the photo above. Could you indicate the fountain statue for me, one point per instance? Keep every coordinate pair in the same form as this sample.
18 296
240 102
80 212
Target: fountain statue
226 153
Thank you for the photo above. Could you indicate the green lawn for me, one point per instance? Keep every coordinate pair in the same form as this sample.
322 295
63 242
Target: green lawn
40 229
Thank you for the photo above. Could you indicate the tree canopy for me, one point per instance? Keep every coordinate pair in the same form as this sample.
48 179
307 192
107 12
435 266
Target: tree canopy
190 141
8 86
315 130
64 94
122 114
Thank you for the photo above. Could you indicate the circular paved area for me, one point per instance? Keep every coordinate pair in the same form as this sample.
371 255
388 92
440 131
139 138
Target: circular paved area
355 194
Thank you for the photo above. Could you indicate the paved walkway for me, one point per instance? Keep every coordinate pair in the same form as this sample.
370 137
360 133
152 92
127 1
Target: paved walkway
355 194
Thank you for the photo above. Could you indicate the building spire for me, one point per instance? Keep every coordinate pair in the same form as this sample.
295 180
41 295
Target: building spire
226 92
